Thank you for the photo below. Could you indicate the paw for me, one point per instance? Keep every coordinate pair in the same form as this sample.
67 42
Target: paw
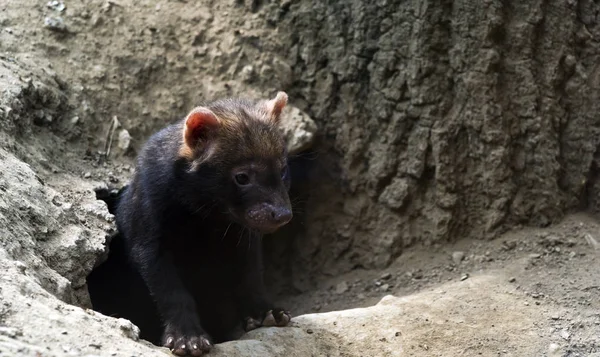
187 345
275 317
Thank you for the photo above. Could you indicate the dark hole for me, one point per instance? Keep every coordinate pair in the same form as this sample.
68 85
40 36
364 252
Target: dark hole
117 290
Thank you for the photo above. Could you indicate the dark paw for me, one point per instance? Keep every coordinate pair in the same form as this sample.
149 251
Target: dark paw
275 317
187 345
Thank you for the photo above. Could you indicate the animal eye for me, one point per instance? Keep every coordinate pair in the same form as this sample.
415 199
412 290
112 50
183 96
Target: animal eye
284 172
242 179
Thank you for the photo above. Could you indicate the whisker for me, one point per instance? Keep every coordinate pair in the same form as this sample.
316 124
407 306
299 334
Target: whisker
209 210
227 230
200 208
249 243
241 234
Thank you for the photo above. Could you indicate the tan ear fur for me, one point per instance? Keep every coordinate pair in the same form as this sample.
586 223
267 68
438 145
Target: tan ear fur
199 124
275 106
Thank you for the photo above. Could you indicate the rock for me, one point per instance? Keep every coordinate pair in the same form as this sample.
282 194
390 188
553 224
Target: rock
56 5
341 287
512 279
417 274
299 129
464 277
554 350
384 287
248 74
396 326
565 334
55 24
457 257
386 276
124 140
395 195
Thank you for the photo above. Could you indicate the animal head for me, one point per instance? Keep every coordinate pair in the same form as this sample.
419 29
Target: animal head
236 152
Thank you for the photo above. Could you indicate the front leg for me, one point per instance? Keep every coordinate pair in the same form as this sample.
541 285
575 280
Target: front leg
257 309
183 333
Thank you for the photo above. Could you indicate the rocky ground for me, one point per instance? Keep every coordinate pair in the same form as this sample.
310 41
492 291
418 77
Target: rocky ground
83 83
545 279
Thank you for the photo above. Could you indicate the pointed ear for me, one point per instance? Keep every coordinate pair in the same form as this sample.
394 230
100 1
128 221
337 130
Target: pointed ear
199 124
275 106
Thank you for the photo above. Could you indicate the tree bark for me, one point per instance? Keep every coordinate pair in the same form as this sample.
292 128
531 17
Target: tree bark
441 120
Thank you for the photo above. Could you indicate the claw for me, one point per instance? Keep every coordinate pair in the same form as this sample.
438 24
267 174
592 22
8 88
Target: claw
269 319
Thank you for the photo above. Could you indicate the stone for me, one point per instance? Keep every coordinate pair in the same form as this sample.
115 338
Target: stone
457 257
395 195
299 129
124 140
342 287
55 24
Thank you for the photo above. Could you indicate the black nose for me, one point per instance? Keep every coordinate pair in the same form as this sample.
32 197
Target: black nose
281 215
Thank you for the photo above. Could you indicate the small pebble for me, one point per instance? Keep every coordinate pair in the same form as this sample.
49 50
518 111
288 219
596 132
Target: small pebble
124 140
385 287
341 287
386 276
457 257
553 348
512 279
87 175
309 331
56 5
565 334
555 317
55 24
464 277
534 255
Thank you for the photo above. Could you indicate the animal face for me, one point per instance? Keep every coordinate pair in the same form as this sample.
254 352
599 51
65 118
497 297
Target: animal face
237 145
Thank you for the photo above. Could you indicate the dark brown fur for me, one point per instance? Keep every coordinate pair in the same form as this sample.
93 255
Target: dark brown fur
204 191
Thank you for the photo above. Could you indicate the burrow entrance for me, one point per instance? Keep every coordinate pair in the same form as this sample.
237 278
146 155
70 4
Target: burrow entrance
117 289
